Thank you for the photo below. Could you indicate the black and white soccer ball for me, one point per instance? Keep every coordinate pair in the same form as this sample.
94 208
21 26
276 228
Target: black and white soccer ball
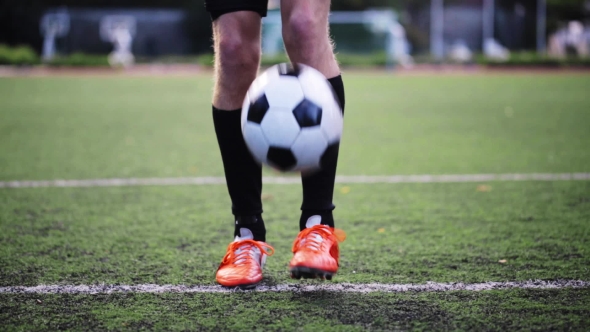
291 118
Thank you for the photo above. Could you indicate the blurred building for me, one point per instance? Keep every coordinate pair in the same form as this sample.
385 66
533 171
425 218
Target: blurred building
159 31
185 27
514 24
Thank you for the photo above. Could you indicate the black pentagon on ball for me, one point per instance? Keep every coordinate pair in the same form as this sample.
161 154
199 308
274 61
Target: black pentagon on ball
308 114
281 158
287 69
258 109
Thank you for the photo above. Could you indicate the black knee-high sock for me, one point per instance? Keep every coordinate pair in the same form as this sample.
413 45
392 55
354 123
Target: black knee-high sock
242 173
318 188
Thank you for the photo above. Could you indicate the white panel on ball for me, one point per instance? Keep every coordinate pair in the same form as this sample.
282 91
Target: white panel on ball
309 147
332 122
261 82
255 140
315 86
279 127
287 94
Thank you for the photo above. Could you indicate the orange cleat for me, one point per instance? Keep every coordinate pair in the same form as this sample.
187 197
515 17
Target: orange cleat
242 264
316 252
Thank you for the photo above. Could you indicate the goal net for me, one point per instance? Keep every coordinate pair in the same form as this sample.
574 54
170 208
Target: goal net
364 32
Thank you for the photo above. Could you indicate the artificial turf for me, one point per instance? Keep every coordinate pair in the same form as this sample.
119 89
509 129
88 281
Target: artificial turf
396 233
79 128
73 128
539 310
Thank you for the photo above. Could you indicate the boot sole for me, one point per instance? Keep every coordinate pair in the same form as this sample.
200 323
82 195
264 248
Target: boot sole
242 287
298 272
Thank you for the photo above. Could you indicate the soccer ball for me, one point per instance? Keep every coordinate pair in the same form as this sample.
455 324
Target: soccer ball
291 118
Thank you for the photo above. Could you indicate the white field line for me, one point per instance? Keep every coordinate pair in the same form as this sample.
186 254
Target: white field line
329 287
211 180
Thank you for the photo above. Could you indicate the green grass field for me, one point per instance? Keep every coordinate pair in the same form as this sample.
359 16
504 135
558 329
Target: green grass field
412 233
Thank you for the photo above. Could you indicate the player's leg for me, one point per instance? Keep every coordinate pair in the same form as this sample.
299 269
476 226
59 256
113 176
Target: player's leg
236 35
306 36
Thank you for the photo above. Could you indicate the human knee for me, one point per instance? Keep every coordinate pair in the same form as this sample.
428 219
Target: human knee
236 50
301 28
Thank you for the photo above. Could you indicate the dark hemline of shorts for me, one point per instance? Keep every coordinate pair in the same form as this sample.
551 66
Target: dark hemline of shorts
217 8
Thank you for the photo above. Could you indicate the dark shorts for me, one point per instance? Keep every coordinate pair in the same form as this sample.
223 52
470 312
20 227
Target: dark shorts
217 8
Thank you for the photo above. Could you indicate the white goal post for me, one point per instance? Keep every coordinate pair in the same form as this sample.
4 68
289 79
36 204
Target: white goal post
53 25
119 30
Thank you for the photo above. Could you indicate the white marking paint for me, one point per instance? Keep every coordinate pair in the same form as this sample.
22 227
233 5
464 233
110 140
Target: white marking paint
211 180
328 287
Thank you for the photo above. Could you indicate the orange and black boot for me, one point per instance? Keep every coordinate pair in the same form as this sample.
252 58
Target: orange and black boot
316 251
243 262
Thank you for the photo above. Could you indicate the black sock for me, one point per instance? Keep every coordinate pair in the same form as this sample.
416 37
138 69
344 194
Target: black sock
318 188
242 173
326 217
254 223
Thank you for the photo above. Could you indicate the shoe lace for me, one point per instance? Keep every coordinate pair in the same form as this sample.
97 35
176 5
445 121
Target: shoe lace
312 238
242 252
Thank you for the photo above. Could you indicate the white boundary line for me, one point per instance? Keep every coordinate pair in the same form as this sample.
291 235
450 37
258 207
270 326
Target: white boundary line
330 287
211 180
